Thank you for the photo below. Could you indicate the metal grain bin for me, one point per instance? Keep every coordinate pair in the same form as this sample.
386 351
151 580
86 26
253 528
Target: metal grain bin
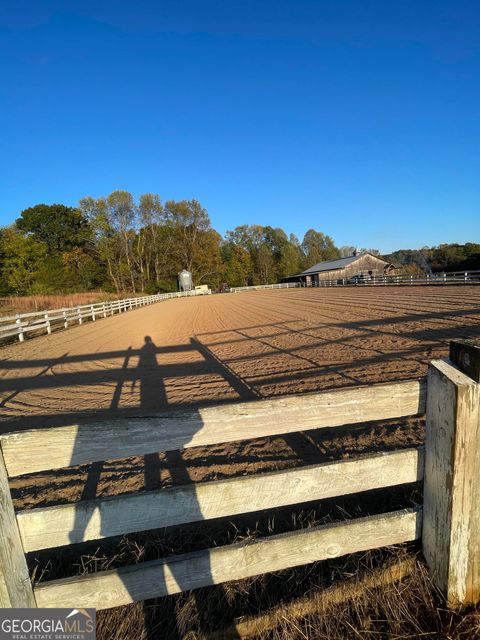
185 280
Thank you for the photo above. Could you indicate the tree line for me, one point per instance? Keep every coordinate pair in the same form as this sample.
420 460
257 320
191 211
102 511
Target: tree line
445 257
118 244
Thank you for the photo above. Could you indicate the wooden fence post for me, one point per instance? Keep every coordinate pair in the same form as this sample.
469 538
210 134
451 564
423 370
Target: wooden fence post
47 323
18 322
15 586
451 521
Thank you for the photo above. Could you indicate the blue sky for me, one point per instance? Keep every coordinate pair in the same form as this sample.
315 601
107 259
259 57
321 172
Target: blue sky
358 118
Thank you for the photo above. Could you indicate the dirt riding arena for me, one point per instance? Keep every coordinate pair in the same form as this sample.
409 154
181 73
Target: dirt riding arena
193 352
229 347
224 348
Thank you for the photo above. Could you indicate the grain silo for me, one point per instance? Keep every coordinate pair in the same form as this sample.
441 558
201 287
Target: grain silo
185 280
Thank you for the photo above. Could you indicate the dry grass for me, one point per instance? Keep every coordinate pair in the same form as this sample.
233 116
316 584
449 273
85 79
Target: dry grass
385 593
393 601
25 304
318 602
366 601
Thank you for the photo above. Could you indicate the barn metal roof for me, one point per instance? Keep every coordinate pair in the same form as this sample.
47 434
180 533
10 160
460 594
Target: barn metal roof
332 265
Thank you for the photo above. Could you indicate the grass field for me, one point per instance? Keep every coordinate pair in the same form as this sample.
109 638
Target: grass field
26 304
224 348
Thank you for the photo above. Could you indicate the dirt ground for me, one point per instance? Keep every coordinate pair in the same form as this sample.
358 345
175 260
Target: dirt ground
223 348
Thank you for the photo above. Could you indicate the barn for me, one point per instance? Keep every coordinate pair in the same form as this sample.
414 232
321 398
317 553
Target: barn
362 264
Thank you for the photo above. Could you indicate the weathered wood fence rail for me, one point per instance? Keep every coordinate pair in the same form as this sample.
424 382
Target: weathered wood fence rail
447 522
21 324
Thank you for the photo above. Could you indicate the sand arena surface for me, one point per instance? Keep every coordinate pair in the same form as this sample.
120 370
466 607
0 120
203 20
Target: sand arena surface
229 347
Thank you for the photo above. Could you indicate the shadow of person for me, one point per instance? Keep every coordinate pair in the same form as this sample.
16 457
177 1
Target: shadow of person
153 400
152 388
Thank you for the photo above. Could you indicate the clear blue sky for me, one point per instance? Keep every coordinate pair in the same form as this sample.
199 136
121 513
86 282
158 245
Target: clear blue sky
359 118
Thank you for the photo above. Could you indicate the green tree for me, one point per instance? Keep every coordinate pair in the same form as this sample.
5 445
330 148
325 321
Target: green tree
189 222
253 238
291 258
106 242
250 237
237 265
318 247
61 228
347 251
121 212
118 243
82 271
21 258
113 220
455 257
148 250
286 253
207 264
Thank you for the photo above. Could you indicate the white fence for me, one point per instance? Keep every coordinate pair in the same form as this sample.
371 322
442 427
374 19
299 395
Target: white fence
21 324
283 285
447 277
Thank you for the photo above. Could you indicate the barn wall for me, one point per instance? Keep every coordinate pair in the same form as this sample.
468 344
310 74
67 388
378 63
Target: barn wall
362 265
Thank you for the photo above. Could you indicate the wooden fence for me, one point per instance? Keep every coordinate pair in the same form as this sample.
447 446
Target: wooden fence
447 523
21 324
